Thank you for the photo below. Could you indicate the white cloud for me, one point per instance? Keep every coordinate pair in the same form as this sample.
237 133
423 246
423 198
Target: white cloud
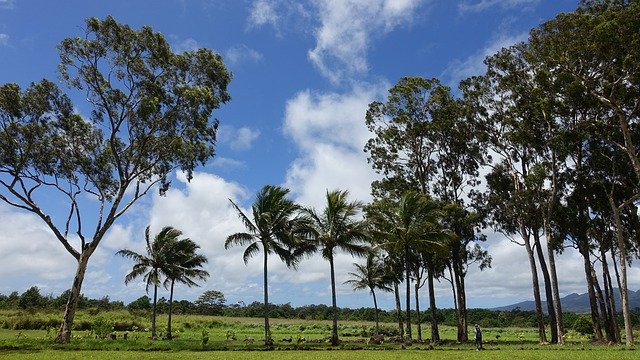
482 5
227 163
474 65
242 53
346 31
330 132
238 139
4 39
263 12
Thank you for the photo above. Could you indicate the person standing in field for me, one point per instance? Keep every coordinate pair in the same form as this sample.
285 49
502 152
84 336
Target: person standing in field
478 334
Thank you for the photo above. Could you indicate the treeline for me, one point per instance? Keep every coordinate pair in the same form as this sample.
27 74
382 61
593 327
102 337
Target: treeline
213 303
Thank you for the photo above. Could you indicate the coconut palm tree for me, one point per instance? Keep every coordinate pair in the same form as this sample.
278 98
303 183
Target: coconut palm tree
185 266
155 265
272 228
370 275
408 227
336 228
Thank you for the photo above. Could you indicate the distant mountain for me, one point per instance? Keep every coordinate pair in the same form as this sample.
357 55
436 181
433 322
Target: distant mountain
578 303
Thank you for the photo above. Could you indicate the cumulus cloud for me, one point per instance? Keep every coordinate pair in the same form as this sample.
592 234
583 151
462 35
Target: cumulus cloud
482 5
346 31
242 53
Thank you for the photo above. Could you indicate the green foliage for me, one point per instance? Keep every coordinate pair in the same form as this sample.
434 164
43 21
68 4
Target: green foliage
583 325
31 299
102 327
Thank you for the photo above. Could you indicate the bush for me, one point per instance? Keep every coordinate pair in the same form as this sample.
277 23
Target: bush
583 325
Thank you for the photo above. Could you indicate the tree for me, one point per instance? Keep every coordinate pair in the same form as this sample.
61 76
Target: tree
150 117
211 302
408 227
32 299
184 266
370 275
272 227
334 229
154 266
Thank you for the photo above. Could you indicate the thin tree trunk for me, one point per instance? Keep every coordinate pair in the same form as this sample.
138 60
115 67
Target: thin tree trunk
375 306
547 287
604 314
458 272
169 336
334 331
557 304
608 288
536 287
64 333
154 336
435 334
408 294
267 330
624 295
396 290
418 326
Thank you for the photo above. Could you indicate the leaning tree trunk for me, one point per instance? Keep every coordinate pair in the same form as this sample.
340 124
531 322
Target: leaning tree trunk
535 283
547 287
334 330
605 317
624 295
64 333
396 290
169 336
435 334
608 288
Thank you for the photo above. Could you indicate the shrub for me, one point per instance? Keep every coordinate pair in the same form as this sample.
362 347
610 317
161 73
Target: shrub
583 325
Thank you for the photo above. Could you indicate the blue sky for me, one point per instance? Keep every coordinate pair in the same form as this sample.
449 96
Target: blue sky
303 75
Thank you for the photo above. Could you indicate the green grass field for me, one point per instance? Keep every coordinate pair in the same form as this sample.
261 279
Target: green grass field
199 337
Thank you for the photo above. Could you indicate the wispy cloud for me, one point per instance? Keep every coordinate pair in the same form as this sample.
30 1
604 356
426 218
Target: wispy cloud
7 4
4 39
347 28
242 53
238 139
281 15
482 5
188 44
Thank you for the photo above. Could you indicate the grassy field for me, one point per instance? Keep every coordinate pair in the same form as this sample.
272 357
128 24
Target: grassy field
240 338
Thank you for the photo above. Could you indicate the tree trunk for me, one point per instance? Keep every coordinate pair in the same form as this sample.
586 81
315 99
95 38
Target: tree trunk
64 333
458 272
154 336
557 304
375 306
608 288
547 287
604 314
267 330
169 336
595 317
624 295
418 325
536 287
435 334
407 280
334 330
396 290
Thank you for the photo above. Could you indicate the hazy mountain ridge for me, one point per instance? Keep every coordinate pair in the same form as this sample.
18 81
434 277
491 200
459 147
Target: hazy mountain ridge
578 303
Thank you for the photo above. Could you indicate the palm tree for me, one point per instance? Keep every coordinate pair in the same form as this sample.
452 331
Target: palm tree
184 267
336 229
409 227
271 227
153 266
370 276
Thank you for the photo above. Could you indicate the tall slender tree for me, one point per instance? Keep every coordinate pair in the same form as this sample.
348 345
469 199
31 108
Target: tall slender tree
334 229
272 227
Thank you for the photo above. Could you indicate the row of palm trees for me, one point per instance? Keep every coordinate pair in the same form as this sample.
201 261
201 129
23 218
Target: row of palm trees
279 225
169 259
